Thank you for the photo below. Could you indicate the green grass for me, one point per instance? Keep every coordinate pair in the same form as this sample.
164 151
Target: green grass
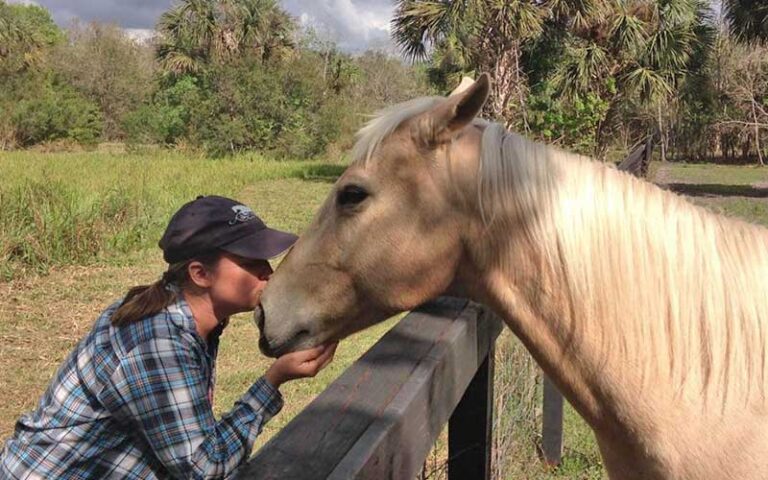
705 173
52 201
751 210
75 209
739 191
55 310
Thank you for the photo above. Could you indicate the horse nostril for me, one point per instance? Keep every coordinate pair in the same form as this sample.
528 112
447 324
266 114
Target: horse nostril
265 348
259 316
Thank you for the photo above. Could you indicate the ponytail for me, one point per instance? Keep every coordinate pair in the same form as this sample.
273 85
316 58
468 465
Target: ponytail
145 300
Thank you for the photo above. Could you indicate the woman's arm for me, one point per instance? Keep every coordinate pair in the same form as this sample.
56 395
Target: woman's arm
161 390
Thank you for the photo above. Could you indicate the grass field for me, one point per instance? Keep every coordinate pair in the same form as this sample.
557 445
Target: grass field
76 230
75 209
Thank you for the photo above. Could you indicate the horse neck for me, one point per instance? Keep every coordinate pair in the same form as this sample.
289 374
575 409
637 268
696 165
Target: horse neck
617 287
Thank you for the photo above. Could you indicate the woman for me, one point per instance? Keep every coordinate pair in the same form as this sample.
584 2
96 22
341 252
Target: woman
133 399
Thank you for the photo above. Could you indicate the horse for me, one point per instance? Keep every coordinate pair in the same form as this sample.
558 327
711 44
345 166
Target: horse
649 313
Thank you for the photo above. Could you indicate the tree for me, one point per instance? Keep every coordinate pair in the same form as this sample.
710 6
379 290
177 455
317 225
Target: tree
110 68
471 37
27 33
196 33
747 19
742 88
615 53
635 54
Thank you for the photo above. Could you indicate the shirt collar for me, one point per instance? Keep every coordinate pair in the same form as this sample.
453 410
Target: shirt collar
186 320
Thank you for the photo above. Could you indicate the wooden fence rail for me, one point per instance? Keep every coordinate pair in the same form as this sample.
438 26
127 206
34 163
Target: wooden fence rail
380 418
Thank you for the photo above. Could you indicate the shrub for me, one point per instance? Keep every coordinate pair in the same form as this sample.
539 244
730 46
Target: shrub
59 113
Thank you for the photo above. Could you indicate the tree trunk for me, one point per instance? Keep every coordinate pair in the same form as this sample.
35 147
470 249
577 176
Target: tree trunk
662 136
503 84
520 90
757 135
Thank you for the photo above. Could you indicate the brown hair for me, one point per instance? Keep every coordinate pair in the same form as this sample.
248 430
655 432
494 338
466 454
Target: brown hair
145 300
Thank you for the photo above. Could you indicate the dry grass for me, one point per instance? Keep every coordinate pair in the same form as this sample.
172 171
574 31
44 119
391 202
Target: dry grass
43 318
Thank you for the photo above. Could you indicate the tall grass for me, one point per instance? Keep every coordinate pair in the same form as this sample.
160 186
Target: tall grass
61 209
517 409
517 406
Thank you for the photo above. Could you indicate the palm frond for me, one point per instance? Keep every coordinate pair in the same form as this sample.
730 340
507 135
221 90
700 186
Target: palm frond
416 24
584 65
747 19
627 32
580 13
647 83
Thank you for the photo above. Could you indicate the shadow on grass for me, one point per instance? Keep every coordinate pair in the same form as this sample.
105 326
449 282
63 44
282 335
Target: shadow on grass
718 190
324 172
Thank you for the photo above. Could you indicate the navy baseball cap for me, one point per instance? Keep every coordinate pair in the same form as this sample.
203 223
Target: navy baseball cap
211 223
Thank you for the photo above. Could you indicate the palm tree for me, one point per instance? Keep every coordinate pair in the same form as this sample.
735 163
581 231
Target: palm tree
747 19
264 28
471 36
175 51
27 33
620 51
198 32
635 53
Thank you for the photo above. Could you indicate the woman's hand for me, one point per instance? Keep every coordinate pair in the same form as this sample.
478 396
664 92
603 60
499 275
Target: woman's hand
301 364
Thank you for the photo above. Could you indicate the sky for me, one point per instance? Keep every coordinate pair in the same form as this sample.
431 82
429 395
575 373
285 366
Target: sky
354 25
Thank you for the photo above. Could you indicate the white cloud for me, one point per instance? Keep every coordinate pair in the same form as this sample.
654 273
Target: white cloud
356 19
24 2
140 34
354 24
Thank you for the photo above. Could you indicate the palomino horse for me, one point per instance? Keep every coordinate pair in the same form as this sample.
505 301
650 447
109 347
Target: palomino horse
649 313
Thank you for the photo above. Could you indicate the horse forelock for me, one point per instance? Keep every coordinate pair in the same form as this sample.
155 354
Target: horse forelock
384 123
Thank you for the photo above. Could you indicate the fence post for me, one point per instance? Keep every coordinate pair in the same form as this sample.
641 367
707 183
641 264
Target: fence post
470 429
552 424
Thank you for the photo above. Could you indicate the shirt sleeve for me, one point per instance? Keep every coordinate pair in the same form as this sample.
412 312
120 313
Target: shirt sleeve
163 391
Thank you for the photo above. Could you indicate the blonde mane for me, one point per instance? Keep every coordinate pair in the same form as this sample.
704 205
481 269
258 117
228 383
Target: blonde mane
653 282
682 289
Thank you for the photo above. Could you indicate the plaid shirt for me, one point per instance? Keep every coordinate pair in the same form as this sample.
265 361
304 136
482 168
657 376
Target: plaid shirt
134 402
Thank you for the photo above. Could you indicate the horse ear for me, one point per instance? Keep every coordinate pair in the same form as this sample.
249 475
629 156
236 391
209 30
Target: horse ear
439 124
466 82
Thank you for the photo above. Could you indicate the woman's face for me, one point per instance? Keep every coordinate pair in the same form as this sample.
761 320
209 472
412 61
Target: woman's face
237 283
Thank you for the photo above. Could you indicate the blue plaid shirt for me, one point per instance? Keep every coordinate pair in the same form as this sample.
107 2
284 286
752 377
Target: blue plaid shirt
135 402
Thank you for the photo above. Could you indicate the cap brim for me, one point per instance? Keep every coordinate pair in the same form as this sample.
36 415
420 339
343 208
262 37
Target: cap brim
262 245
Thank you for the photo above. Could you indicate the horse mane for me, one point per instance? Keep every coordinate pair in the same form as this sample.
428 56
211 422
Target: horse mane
651 281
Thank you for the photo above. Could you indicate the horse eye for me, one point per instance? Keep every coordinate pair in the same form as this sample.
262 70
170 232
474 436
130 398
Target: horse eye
351 195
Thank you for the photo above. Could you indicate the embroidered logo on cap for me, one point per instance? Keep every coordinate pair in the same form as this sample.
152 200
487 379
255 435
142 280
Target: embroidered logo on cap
242 214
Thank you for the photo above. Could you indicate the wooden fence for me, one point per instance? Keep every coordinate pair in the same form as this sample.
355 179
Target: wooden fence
380 418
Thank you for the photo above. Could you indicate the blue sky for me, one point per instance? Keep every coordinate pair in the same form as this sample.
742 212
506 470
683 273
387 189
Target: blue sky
354 24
